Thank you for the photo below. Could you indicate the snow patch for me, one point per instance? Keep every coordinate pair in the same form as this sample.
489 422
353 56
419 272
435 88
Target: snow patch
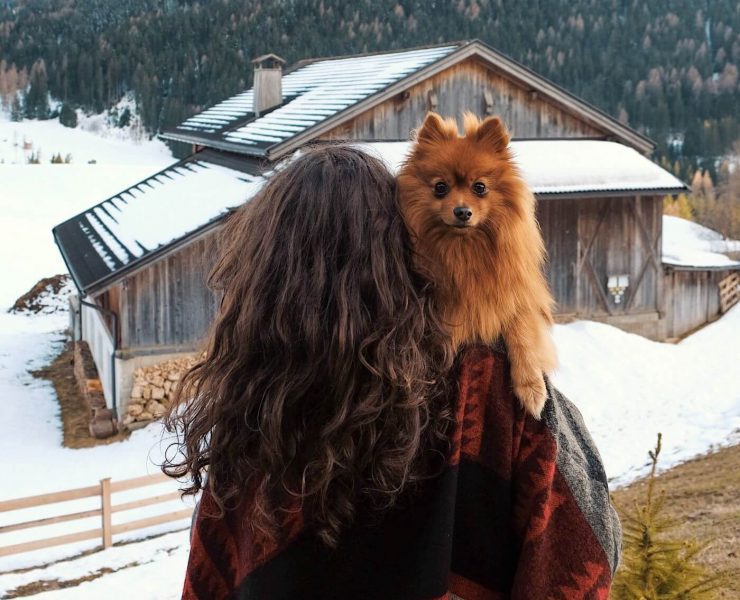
687 243
94 140
630 388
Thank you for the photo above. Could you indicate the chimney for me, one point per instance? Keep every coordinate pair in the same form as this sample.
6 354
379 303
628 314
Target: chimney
268 82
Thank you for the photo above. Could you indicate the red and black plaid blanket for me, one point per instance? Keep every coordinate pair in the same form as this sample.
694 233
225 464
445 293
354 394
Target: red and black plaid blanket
522 511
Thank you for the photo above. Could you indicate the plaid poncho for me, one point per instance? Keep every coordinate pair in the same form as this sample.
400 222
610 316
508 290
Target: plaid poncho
521 511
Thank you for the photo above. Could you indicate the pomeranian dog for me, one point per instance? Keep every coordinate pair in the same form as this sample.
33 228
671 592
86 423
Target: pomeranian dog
472 221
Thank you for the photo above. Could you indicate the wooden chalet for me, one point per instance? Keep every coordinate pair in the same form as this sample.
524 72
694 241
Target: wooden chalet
142 256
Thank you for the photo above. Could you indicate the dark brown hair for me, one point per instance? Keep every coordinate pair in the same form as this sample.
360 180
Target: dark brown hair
323 376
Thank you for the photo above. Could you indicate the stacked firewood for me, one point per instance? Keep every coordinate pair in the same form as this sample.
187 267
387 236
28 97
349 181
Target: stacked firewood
154 389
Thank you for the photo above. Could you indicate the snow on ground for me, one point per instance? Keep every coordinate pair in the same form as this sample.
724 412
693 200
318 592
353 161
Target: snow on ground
688 243
34 198
94 139
630 388
30 433
158 574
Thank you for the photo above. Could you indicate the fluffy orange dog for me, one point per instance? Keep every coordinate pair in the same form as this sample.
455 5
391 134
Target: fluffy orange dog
473 222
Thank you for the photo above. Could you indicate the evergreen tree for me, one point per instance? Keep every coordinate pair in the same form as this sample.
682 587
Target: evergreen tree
16 110
125 118
37 98
68 116
655 566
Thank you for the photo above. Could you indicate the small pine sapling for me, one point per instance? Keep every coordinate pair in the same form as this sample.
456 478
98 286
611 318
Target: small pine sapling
654 566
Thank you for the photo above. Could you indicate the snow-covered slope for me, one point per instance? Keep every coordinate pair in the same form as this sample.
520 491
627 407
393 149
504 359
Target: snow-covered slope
94 139
34 198
630 388
689 244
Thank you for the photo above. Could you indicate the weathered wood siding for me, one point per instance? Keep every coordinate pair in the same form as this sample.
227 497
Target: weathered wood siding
558 221
589 239
110 300
470 85
168 303
691 299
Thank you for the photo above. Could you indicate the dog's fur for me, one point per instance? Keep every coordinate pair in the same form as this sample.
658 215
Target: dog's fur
488 269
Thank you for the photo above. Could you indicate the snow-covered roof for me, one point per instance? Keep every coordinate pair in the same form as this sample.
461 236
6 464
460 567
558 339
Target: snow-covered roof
167 207
172 205
567 167
320 93
311 93
690 245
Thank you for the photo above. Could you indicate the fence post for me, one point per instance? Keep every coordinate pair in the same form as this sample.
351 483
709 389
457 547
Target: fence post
106 512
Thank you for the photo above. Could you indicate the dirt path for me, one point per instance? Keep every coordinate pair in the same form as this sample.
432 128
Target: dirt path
704 496
75 415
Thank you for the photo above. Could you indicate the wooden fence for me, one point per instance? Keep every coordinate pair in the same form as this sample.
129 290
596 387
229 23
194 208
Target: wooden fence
107 530
729 292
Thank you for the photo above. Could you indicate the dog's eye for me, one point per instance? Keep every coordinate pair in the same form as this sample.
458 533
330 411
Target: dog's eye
440 188
479 188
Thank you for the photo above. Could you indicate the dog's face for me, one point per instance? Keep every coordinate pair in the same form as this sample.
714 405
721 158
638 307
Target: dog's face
455 185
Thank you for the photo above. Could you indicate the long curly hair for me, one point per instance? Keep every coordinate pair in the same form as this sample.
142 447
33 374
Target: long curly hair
324 374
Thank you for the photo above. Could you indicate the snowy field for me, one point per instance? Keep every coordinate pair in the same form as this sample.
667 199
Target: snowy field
94 139
34 198
628 388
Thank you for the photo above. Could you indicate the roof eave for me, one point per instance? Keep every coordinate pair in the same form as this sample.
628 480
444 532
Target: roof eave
674 267
176 136
673 191
104 283
70 269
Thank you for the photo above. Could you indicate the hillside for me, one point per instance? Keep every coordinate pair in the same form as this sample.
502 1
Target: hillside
667 67
36 197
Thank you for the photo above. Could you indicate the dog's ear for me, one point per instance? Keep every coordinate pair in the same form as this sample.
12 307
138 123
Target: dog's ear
493 132
434 129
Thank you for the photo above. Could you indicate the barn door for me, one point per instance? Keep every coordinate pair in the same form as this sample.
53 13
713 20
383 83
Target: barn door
617 238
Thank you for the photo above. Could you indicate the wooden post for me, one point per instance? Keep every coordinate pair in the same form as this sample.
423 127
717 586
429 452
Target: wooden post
106 512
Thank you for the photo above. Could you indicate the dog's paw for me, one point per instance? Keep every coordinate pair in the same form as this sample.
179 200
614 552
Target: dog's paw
532 393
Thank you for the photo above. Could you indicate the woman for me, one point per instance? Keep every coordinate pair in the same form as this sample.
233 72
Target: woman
349 454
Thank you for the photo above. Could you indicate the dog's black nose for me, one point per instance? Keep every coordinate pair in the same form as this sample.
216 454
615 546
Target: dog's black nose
462 213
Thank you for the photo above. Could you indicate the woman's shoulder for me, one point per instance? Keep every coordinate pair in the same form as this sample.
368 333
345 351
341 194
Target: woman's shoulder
559 438
484 378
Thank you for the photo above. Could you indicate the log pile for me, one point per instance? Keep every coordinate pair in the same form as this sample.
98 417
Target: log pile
154 389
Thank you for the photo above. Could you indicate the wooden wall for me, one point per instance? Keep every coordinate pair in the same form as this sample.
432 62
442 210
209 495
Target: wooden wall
691 299
110 300
168 303
589 239
470 85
